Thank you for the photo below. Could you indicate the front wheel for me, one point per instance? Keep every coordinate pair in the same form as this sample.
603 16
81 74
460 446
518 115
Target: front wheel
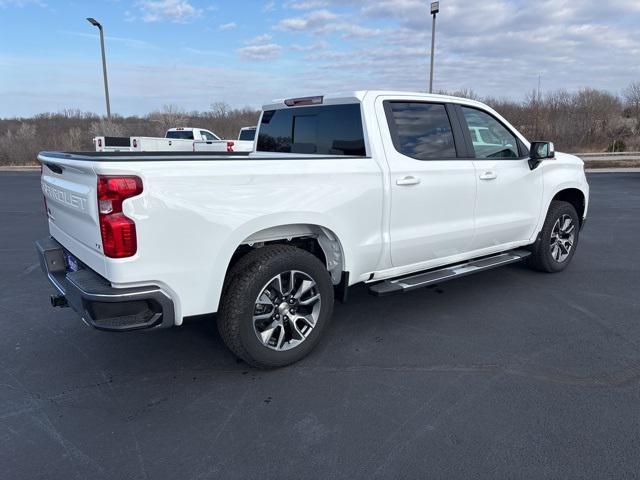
558 240
276 303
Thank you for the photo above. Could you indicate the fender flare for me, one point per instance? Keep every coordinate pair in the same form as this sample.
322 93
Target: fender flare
266 228
573 185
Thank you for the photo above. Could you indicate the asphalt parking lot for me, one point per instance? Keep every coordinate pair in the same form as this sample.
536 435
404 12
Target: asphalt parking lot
506 374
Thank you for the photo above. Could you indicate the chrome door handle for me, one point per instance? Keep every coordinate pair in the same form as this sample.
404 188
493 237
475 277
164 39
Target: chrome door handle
489 175
408 180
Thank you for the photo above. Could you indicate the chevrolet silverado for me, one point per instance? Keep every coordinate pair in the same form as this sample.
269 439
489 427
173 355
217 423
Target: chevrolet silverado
397 190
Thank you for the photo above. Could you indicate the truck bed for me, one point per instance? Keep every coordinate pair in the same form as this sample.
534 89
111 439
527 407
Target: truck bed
138 156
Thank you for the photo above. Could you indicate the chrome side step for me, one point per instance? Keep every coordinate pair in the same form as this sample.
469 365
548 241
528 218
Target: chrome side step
430 277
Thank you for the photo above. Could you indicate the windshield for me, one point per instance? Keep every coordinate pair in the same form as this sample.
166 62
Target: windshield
247 134
184 134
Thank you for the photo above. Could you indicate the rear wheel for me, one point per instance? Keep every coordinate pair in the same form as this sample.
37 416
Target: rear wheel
558 240
276 303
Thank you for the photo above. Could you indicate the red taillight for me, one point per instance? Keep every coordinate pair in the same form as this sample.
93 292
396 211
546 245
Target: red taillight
135 143
117 230
100 142
230 146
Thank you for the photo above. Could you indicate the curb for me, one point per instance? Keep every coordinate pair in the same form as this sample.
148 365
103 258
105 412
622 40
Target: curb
613 170
20 168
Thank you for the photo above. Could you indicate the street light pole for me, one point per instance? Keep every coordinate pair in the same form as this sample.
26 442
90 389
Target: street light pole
95 23
435 8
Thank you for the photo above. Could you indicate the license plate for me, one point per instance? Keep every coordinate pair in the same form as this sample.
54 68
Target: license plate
71 262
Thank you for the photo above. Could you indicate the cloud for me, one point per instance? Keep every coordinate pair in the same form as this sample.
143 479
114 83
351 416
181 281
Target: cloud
315 21
228 26
259 39
176 11
265 52
21 3
321 22
309 48
128 42
269 7
307 5
497 48
214 53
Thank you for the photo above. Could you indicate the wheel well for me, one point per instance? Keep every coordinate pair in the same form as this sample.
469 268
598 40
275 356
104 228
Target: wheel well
318 241
575 197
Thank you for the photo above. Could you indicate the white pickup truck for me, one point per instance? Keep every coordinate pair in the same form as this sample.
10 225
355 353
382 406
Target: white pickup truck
179 139
244 143
385 188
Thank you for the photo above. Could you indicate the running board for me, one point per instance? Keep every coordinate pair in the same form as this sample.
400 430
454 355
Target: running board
430 277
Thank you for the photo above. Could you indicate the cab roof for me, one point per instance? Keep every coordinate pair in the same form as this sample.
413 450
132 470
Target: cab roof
359 95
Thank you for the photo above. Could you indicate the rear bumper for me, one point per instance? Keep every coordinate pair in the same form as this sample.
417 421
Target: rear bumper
97 302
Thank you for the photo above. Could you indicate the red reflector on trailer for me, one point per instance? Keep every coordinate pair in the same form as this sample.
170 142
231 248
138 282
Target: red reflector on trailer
296 102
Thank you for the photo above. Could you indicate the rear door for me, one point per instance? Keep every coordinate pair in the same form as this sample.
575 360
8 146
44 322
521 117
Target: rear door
432 184
509 195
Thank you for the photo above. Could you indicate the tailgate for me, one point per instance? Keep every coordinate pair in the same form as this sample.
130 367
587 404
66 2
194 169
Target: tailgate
210 146
69 187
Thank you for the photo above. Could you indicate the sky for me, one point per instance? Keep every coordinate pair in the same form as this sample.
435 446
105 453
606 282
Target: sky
193 53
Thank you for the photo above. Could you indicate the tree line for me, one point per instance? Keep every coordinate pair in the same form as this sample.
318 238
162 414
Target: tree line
588 120
72 130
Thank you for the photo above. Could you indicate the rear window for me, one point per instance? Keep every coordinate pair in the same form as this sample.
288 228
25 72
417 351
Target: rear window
184 134
322 130
248 134
421 130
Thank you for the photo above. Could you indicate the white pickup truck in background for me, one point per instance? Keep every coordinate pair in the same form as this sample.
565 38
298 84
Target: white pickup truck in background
244 143
392 189
179 139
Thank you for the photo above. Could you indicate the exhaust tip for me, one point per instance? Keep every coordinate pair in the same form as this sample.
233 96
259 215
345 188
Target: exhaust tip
59 301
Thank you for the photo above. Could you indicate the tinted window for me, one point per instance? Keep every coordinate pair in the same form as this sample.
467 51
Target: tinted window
421 130
187 135
248 134
490 138
324 130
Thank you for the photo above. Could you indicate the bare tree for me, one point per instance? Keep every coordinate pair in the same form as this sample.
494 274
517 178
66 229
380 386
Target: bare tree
19 146
169 117
632 103
587 120
105 128
220 109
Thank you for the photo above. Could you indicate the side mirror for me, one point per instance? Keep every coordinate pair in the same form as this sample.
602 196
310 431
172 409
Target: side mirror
540 151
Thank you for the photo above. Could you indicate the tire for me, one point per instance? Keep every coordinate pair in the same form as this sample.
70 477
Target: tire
555 247
258 289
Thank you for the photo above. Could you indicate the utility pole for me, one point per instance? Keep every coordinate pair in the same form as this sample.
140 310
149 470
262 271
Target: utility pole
95 23
435 8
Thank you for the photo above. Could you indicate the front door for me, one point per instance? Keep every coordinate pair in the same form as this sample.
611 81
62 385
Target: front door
509 195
